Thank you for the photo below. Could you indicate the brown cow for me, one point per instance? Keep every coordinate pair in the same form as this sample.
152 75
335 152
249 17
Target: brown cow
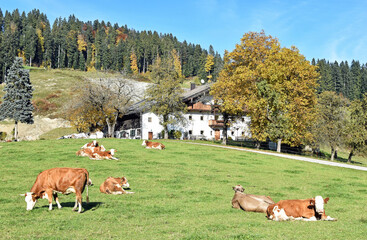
59 180
99 155
154 145
114 186
87 152
311 209
94 143
250 202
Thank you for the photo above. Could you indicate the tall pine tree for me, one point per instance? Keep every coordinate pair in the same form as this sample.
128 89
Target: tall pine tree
18 94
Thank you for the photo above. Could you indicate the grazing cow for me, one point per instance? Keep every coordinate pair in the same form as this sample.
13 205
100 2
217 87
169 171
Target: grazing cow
99 155
59 180
155 145
250 202
311 209
114 186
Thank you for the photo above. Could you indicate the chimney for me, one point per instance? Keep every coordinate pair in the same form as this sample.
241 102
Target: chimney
192 86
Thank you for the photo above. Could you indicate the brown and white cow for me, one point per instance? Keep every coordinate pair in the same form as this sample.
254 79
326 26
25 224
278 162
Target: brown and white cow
153 145
94 143
311 209
114 186
99 155
87 152
250 202
59 180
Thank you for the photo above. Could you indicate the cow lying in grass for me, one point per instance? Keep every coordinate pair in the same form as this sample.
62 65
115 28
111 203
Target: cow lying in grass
153 145
59 180
250 202
311 209
96 152
114 186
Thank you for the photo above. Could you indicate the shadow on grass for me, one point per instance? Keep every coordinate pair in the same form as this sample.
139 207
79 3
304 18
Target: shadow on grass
86 206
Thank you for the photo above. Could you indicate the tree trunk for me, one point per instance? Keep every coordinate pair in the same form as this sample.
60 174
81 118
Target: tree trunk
257 144
109 127
279 145
16 131
225 123
351 155
58 58
332 154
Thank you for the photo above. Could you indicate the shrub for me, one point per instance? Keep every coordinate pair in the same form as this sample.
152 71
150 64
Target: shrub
3 136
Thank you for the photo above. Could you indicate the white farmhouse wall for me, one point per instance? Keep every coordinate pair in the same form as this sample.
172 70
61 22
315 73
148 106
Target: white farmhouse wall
150 123
196 124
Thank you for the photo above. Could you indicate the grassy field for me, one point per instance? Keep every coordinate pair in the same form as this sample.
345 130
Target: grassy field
183 192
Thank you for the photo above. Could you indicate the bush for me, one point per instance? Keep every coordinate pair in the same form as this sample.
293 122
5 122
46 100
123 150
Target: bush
3 136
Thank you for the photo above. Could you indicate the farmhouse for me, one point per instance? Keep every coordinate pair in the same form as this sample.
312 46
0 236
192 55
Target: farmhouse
201 121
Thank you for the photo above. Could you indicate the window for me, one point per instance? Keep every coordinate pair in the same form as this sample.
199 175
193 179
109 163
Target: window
190 117
190 132
216 117
243 119
211 133
243 133
232 133
202 132
149 119
201 118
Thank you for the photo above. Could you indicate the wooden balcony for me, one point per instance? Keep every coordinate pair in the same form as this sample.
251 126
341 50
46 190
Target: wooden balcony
199 107
216 123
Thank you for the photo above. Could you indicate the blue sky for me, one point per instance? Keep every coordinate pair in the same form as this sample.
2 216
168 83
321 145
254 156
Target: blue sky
334 30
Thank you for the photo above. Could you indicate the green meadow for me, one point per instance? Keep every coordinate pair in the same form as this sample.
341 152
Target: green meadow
183 192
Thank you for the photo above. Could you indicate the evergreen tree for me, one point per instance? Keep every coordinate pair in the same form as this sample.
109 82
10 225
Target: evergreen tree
336 77
18 94
355 69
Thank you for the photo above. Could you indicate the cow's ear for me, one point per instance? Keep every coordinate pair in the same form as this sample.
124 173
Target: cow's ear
326 200
312 202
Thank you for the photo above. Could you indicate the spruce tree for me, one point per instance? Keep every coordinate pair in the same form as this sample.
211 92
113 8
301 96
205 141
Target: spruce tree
18 89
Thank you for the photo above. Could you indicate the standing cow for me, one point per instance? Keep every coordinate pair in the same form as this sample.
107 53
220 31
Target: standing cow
250 202
59 180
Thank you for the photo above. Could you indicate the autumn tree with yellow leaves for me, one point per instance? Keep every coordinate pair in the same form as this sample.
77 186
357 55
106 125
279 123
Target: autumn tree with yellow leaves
209 64
134 63
276 86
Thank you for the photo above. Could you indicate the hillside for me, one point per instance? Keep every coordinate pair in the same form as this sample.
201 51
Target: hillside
53 89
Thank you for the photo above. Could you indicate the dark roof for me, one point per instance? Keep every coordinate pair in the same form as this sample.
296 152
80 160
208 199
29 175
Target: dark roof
187 95
196 92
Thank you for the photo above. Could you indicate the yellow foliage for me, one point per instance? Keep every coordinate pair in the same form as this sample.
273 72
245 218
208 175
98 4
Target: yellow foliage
82 44
269 82
177 62
41 38
134 63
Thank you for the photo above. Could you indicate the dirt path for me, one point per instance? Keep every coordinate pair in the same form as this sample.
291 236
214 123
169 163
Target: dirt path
299 158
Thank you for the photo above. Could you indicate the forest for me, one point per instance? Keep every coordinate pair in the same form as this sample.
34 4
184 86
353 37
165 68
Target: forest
88 46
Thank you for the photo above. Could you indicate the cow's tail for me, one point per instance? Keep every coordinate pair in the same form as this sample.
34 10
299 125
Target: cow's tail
87 183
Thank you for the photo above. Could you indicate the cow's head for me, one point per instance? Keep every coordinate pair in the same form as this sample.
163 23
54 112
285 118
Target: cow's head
144 143
112 151
319 202
238 188
94 143
124 183
30 199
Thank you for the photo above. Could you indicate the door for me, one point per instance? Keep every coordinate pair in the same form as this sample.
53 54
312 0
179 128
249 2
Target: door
150 135
217 134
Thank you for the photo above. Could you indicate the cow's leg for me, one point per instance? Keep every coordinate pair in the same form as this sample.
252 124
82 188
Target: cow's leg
57 200
76 204
79 200
49 195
